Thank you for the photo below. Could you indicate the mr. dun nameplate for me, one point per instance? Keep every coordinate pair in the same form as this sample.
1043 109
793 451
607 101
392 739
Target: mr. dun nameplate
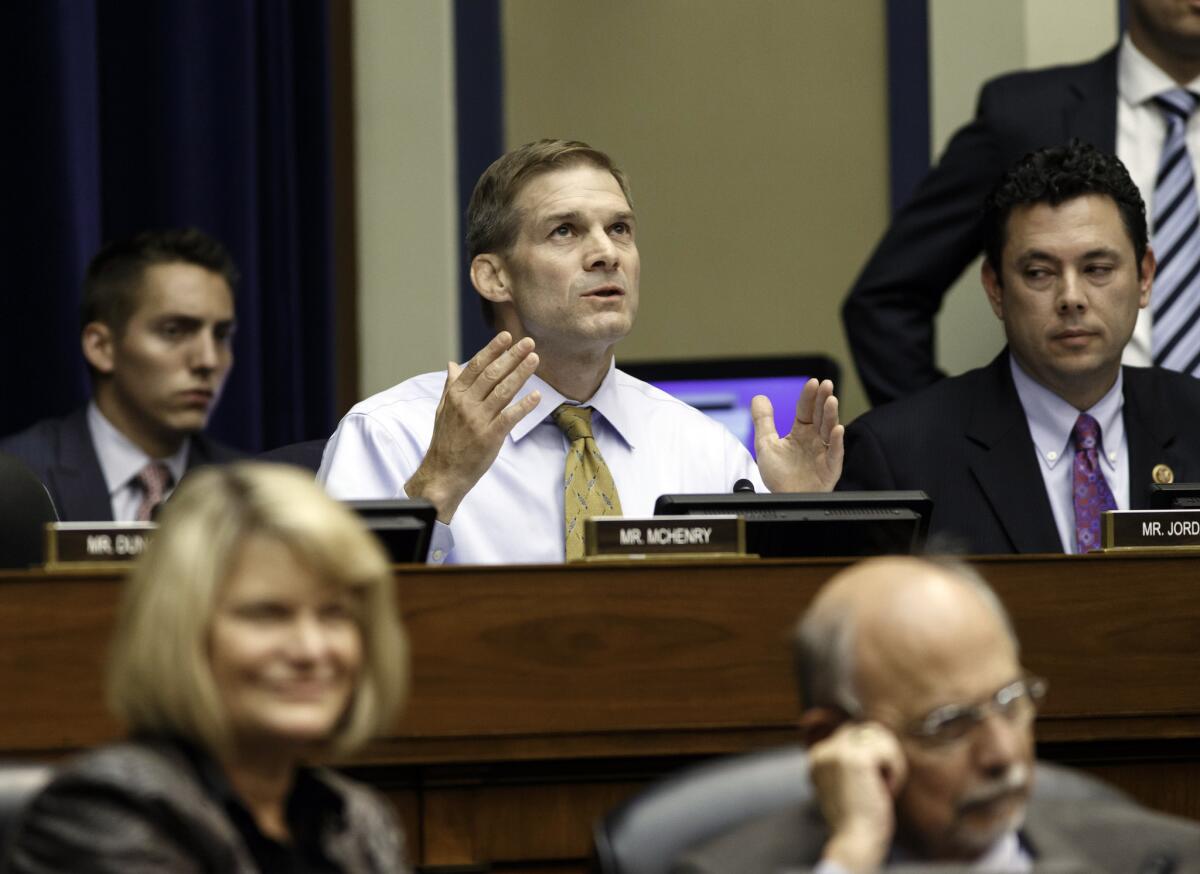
95 543
665 535
1151 529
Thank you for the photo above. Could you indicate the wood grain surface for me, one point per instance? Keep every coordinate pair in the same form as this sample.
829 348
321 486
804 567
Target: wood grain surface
543 695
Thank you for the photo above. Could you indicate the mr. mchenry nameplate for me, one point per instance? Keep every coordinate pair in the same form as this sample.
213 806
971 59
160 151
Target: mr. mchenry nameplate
1151 529
88 543
665 535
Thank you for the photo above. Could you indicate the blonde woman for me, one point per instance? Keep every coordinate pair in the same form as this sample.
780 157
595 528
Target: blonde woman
258 632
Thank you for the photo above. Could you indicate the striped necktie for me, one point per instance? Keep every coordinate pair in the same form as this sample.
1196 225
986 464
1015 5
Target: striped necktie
1176 239
588 487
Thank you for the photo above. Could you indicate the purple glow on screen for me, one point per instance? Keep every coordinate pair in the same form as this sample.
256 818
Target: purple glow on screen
728 400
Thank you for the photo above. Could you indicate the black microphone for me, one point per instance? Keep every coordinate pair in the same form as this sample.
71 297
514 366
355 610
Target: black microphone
743 485
1159 863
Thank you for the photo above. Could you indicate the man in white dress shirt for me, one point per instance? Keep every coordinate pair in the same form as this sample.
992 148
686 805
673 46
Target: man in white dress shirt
552 241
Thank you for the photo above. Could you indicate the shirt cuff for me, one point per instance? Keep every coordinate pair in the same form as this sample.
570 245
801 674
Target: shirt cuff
440 543
829 868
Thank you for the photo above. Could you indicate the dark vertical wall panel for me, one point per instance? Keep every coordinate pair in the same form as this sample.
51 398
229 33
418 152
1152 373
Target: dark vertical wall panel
479 95
908 95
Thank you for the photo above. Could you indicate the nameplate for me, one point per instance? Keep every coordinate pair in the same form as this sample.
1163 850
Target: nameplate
664 535
1151 529
72 544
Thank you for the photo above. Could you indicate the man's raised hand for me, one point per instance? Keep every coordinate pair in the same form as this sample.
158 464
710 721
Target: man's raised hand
473 418
809 458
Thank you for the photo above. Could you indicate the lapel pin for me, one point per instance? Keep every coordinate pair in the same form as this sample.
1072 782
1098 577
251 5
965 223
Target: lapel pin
1162 474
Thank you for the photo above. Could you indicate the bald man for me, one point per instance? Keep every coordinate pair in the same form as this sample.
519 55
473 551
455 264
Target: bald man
919 722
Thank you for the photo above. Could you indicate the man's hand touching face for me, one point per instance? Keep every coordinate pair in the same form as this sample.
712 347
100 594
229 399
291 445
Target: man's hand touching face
858 772
473 417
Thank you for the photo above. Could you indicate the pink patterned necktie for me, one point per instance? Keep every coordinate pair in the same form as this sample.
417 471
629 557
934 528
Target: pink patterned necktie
1090 489
155 478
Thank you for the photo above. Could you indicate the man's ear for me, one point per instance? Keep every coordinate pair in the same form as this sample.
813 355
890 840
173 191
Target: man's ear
490 277
993 288
97 341
818 723
1149 267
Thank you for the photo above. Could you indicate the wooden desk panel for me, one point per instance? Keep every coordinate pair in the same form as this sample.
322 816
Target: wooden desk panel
522 653
543 694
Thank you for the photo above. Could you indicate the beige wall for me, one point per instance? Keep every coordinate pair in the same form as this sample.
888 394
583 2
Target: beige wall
755 134
755 137
970 42
406 189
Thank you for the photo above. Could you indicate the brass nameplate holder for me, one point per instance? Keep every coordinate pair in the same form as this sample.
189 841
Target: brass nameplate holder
1176 530
84 544
664 537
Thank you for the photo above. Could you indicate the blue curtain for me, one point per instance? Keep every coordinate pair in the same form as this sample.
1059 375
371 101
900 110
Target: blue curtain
123 115
479 86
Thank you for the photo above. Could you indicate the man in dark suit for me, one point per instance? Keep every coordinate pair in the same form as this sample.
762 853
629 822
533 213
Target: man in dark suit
157 327
889 312
1067 269
919 722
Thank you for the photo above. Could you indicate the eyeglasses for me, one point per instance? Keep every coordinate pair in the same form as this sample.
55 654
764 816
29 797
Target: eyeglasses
948 726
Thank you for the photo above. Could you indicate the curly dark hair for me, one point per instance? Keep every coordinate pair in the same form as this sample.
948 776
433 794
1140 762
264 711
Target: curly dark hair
1054 176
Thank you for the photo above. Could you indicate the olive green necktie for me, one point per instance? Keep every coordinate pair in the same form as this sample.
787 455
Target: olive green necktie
588 487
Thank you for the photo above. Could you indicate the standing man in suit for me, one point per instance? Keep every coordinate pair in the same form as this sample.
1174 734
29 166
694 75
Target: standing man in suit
1005 450
1109 102
919 717
157 332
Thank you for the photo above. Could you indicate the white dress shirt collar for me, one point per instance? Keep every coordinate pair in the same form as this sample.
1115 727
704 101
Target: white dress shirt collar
1051 418
606 401
1139 79
1007 854
120 458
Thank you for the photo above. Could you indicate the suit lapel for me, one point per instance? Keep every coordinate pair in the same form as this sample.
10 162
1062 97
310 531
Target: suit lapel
1092 115
1051 850
204 451
199 453
77 480
1003 461
1150 432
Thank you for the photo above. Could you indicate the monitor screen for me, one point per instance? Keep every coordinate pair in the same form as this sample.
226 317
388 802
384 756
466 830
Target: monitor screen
404 527
723 387
1175 496
800 525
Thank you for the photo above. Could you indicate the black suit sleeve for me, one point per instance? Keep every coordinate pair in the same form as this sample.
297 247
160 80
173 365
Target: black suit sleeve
866 467
86 827
888 315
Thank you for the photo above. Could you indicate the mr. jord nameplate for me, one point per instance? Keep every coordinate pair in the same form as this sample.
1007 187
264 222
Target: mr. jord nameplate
81 543
1151 529
665 535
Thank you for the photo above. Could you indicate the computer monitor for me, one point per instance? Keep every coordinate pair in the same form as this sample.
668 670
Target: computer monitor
801 525
723 387
1175 496
404 527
